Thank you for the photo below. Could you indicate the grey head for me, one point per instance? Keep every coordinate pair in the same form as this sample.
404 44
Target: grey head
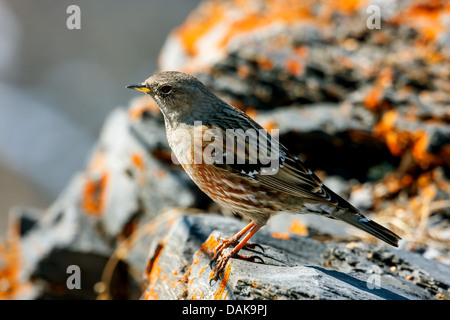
180 97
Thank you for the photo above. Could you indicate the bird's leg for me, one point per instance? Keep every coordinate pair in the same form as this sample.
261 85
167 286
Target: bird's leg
234 241
222 260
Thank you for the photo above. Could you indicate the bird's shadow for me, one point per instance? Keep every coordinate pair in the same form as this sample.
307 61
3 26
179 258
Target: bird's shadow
361 285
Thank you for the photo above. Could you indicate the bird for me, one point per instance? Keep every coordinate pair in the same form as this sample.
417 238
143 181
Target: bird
198 127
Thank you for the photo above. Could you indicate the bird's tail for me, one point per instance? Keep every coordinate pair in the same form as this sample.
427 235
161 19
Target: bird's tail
359 221
344 211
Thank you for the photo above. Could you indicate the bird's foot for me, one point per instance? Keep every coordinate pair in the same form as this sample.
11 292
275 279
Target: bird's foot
231 242
222 263
221 259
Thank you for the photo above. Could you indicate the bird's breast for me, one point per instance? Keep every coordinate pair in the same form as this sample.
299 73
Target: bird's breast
193 147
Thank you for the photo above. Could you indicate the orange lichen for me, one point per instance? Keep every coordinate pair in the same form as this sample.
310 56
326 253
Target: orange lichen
209 245
243 71
202 270
345 6
153 273
294 66
299 228
393 184
138 161
429 191
407 180
385 77
302 51
223 284
96 182
199 23
349 44
269 125
427 17
213 13
93 202
387 122
429 53
278 235
251 112
419 151
264 63
184 280
10 265
247 23
374 99
275 11
398 141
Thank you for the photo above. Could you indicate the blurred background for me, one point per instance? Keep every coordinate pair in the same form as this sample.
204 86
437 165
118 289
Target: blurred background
57 85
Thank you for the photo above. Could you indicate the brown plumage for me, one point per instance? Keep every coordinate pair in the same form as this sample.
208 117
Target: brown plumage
198 124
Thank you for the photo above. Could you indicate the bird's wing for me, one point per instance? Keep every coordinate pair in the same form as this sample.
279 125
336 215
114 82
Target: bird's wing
263 159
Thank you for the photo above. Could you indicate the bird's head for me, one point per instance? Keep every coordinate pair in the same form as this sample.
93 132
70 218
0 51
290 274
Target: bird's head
178 95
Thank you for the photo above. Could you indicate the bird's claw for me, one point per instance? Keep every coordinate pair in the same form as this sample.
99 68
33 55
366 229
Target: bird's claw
220 268
223 260
253 246
212 282
225 243
251 258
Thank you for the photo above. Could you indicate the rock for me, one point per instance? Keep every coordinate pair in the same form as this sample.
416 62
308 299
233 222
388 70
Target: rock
294 268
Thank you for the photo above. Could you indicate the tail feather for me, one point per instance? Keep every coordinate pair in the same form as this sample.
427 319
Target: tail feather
344 211
359 221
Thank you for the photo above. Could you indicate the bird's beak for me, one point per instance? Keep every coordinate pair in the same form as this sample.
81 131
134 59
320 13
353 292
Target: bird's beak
141 87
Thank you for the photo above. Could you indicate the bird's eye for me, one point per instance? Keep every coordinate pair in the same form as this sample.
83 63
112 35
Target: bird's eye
165 89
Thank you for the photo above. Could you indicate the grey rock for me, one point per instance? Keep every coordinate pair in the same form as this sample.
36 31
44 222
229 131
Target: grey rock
296 268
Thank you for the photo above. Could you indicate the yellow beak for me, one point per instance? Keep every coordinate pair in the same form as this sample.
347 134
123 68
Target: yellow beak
140 87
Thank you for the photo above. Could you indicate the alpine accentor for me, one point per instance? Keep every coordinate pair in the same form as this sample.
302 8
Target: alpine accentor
199 126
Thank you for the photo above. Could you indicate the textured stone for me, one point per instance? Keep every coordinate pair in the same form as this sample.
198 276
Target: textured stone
294 268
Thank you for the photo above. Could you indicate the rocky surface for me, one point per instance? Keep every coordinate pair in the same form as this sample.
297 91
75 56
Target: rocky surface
367 109
296 267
